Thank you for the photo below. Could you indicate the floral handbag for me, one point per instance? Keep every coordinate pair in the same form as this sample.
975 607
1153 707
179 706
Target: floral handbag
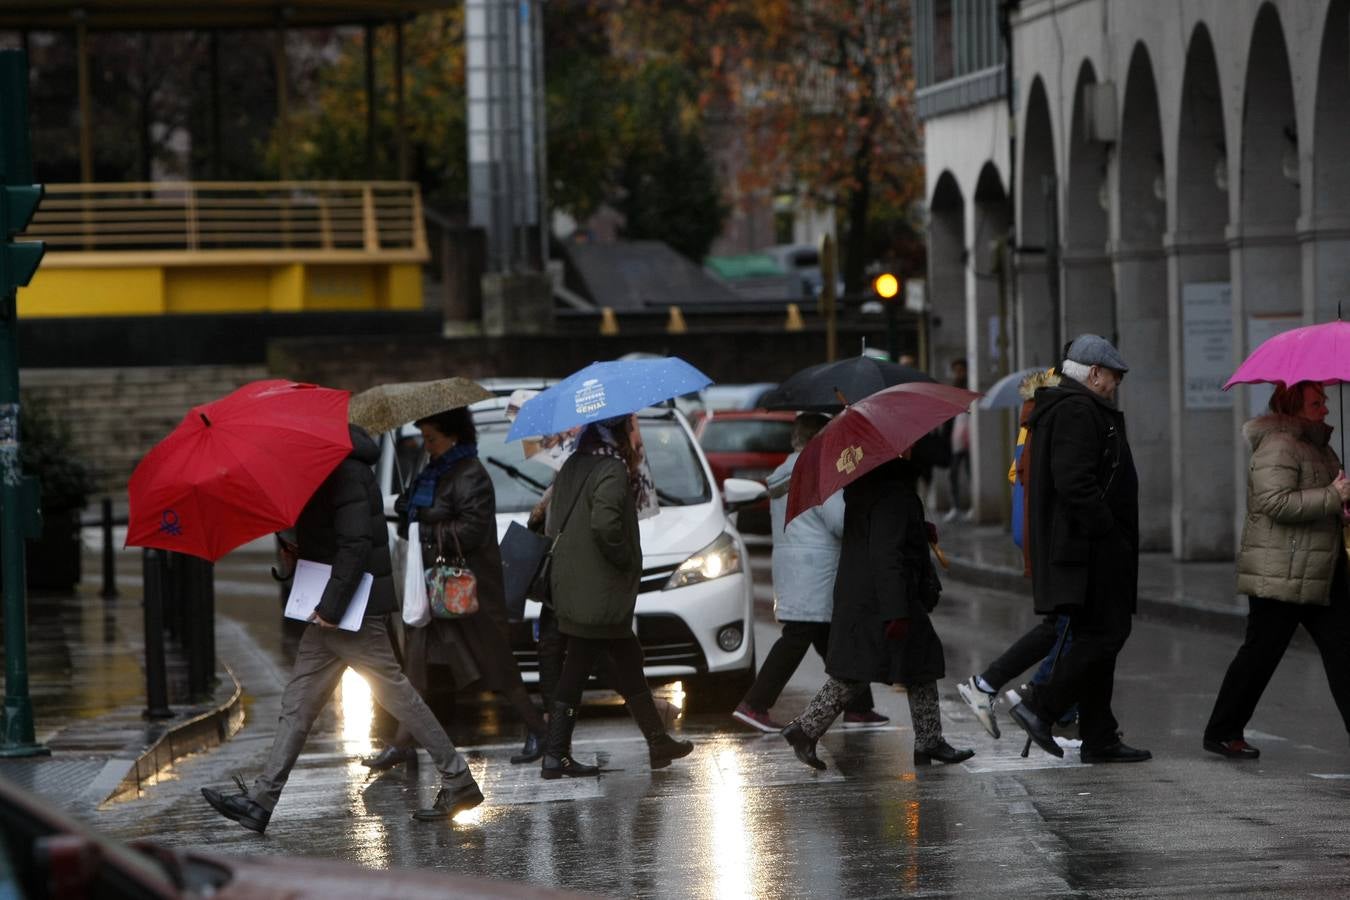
452 589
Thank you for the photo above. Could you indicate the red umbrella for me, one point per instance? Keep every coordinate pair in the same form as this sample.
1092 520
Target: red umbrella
237 468
875 430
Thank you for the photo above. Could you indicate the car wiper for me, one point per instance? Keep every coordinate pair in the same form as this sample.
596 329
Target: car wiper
518 475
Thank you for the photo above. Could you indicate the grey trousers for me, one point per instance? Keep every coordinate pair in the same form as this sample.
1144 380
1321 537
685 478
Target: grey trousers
324 654
835 694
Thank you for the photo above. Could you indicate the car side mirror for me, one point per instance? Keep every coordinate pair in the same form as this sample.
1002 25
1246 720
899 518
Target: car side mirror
738 493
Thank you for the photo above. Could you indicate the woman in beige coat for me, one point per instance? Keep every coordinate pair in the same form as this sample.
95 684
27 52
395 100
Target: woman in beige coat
1292 564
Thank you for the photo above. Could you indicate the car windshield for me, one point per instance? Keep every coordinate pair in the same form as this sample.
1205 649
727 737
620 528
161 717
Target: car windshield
519 482
747 436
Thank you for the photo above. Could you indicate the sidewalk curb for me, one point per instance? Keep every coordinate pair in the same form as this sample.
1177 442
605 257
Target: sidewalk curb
1150 608
124 777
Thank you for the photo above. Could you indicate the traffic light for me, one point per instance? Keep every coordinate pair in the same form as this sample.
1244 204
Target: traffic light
886 285
19 197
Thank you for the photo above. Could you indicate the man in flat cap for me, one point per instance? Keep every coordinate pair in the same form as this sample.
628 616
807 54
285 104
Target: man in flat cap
1084 531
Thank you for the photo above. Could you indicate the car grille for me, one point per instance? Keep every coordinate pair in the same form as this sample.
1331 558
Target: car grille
655 579
665 640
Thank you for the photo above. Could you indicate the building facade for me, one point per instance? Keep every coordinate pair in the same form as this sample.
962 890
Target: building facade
1171 173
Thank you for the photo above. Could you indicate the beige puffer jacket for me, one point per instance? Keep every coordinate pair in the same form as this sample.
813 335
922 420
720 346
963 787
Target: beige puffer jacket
1291 539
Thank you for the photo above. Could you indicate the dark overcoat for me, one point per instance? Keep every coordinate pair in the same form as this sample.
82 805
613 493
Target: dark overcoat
1083 502
342 525
882 565
597 557
465 507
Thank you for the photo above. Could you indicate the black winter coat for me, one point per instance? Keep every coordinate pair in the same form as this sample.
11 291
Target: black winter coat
882 565
465 506
342 525
1083 502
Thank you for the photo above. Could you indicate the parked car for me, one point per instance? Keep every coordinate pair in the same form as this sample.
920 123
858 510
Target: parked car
747 444
695 616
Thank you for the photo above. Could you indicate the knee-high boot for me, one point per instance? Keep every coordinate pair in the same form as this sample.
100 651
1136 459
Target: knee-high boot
661 747
558 761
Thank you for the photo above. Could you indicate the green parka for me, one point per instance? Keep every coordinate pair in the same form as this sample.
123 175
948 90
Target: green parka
597 559
1291 537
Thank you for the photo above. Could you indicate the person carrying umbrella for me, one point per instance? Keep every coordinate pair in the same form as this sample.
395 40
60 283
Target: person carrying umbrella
886 585
1291 565
342 525
1083 495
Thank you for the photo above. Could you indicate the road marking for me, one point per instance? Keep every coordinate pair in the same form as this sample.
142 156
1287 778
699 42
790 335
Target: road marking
1331 776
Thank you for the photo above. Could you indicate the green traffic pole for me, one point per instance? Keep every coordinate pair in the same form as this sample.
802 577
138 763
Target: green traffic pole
16 736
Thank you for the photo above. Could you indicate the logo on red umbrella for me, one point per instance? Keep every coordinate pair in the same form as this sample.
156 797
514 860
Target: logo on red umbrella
849 460
170 524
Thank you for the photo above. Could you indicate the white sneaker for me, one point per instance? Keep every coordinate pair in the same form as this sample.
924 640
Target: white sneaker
981 704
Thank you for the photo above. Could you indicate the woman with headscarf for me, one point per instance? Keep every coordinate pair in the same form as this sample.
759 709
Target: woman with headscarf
885 589
597 564
453 501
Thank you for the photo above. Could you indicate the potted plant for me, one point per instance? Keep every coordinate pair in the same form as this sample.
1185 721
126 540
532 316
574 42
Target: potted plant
47 453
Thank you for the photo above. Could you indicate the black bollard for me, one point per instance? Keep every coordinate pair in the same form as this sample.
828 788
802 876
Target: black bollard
109 571
199 626
156 677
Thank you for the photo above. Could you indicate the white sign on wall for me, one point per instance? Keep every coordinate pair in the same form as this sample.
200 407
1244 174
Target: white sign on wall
1259 330
1207 343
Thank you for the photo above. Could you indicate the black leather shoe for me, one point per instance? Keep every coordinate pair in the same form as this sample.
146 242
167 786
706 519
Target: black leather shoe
450 802
803 746
1118 752
1234 749
1037 729
533 749
239 808
943 752
390 757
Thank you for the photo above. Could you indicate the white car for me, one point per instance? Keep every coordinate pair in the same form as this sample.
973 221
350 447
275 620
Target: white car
695 606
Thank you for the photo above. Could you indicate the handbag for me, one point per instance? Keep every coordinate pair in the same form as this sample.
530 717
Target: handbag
416 609
452 589
523 552
541 588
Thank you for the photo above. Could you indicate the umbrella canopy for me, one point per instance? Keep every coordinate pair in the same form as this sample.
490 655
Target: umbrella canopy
388 406
870 432
1006 392
1312 353
237 468
814 389
604 390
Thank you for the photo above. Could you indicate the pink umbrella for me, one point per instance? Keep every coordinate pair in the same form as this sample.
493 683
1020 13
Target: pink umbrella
1312 353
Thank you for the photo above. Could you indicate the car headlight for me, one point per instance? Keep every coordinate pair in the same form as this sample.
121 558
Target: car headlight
719 558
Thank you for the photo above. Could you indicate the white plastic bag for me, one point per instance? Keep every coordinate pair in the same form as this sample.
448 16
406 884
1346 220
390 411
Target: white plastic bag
416 608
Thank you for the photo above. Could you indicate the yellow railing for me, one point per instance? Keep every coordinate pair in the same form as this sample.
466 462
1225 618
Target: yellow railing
314 220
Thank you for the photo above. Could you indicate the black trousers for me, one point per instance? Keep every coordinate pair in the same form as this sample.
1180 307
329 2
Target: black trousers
624 654
1086 673
785 656
1024 653
1270 626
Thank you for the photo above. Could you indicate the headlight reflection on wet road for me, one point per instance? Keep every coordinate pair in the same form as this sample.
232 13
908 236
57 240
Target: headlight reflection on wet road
358 712
731 851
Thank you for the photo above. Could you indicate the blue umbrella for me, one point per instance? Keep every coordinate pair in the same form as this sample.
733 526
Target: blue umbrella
1004 392
604 390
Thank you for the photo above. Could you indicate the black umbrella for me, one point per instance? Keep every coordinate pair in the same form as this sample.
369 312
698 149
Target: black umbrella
818 388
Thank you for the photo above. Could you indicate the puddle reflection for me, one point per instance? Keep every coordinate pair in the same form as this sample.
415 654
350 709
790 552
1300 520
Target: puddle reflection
731 851
356 707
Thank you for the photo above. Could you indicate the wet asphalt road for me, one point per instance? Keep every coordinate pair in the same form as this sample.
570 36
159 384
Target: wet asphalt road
741 817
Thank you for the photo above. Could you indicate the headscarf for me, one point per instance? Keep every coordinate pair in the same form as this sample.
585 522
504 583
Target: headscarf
424 488
602 439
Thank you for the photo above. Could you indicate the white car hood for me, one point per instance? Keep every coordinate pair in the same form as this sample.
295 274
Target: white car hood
668 538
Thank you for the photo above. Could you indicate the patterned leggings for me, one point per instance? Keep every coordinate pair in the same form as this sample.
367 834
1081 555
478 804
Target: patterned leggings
835 694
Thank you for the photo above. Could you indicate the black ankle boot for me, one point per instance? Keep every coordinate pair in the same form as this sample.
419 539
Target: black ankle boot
943 752
803 745
533 749
661 747
392 756
558 761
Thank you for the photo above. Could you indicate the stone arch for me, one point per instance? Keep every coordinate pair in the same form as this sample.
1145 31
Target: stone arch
1088 288
1327 240
991 343
947 257
1203 494
1038 332
1141 286
1270 196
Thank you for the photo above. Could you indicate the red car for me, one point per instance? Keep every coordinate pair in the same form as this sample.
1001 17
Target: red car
746 444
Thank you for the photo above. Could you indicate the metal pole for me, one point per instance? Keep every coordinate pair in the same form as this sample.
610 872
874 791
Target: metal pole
109 570
16 504
86 101
400 113
156 678
370 99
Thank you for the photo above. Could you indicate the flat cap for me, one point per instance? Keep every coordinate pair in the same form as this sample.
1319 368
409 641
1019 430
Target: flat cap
1095 350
